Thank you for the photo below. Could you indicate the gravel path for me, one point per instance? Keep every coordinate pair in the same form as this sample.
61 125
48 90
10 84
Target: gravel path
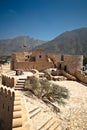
74 114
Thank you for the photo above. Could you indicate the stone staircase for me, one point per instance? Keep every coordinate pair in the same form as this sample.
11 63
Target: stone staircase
20 84
17 113
20 120
41 119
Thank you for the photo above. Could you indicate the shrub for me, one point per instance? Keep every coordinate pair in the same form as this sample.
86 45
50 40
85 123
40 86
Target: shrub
46 90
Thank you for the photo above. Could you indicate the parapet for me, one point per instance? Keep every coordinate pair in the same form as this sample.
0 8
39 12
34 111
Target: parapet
7 97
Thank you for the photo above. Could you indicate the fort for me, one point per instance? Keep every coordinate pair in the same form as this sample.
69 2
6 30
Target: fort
41 61
13 110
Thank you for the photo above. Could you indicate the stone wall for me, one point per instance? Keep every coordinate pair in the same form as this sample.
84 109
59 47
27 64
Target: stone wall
26 66
39 55
6 108
8 81
72 63
68 76
81 76
56 58
39 60
25 61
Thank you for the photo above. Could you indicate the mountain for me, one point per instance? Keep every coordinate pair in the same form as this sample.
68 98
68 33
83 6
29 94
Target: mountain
70 42
18 44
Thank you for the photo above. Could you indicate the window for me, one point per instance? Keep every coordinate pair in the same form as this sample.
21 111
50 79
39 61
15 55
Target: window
40 56
65 68
62 57
3 106
8 108
60 66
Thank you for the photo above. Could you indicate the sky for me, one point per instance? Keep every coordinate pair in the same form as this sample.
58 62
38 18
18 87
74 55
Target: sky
41 19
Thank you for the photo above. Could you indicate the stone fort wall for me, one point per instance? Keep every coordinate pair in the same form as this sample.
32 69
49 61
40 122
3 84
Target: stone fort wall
8 81
40 61
73 63
6 108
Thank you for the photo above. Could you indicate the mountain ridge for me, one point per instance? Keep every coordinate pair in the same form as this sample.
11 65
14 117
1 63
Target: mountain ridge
18 44
69 42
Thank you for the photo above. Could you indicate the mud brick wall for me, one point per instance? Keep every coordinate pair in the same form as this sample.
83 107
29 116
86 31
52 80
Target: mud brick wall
39 55
6 108
18 57
42 65
73 63
21 61
81 76
56 57
8 81
26 66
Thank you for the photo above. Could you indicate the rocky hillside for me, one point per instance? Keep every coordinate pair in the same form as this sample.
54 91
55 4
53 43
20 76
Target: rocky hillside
18 44
70 42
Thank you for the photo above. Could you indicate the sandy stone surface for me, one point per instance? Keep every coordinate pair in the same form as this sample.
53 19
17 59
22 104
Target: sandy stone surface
74 114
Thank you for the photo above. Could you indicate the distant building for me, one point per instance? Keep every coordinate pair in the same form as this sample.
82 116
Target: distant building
41 61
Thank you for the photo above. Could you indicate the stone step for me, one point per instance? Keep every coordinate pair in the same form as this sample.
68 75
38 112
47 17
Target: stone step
17 122
23 78
18 88
40 120
18 128
58 128
48 125
54 126
17 98
17 114
34 113
17 94
19 84
32 108
21 81
17 108
43 122
17 103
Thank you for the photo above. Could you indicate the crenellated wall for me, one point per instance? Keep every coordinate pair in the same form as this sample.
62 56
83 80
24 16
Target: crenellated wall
6 108
8 81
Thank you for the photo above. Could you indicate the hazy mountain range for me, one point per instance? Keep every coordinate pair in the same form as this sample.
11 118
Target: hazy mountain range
70 42
18 44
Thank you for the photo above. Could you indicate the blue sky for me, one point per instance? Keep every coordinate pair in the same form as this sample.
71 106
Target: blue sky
41 19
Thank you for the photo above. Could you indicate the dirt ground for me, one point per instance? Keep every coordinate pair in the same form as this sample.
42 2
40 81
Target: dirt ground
74 114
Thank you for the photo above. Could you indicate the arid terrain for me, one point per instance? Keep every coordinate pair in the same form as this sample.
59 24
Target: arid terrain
72 115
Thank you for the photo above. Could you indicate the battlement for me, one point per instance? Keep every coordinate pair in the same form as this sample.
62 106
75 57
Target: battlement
7 97
8 81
